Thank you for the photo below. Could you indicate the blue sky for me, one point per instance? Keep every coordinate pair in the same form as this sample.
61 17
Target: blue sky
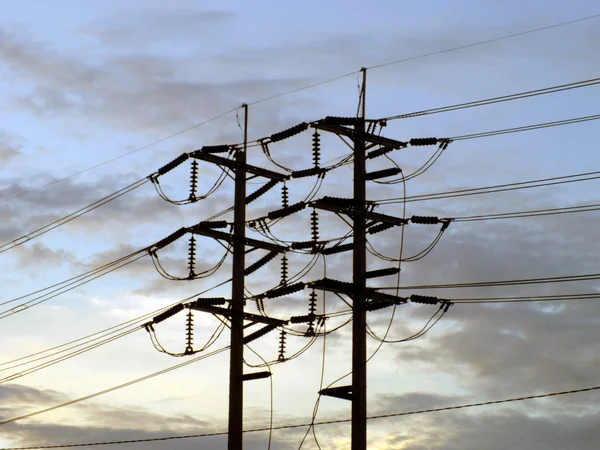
85 82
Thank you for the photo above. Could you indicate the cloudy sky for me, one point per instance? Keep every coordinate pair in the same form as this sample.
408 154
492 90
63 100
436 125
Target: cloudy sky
87 86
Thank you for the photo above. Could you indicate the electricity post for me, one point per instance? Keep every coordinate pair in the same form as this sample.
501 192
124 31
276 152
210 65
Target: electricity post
236 383
359 311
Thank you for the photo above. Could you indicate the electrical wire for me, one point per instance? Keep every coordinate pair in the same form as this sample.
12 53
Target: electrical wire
487 41
324 422
529 298
292 91
525 281
70 217
553 181
536 126
531 213
114 388
57 289
500 99
88 342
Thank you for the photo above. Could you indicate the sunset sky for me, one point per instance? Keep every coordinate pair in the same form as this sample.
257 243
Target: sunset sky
97 95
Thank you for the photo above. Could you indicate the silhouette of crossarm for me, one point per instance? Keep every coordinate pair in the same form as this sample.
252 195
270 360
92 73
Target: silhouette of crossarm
337 205
247 316
220 161
221 235
371 138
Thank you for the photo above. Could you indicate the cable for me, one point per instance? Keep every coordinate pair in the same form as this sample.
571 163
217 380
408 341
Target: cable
574 178
500 99
531 213
104 336
70 284
114 388
488 41
108 161
562 279
536 126
529 298
324 422
534 30
271 395
69 217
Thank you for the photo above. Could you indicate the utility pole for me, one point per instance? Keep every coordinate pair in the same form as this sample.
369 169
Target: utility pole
359 311
236 364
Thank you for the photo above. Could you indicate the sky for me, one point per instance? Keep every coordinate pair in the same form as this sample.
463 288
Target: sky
98 95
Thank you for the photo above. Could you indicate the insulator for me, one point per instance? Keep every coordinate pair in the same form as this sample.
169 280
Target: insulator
208 301
168 313
328 283
383 173
290 289
312 303
258 333
285 196
425 220
283 212
379 152
215 149
282 335
194 181
314 225
426 299
377 304
303 319
380 227
170 166
284 270
170 238
316 148
210 224
423 141
338 201
382 272
189 333
261 262
260 305
337 249
308 172
285 134
261 191
332 120
192 257
302 245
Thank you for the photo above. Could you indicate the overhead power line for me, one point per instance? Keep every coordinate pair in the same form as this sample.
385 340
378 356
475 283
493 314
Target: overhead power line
309 86
526 128
553 181
324 422
531 213
500 99
525 281
114 388
529 298
489 41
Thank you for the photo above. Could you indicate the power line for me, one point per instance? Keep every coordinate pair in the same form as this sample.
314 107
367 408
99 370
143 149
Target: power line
531 213
488 41
529 298
574 178
71 216
114 388
324 422
108 161
413 58
525 281
526 128
500 99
